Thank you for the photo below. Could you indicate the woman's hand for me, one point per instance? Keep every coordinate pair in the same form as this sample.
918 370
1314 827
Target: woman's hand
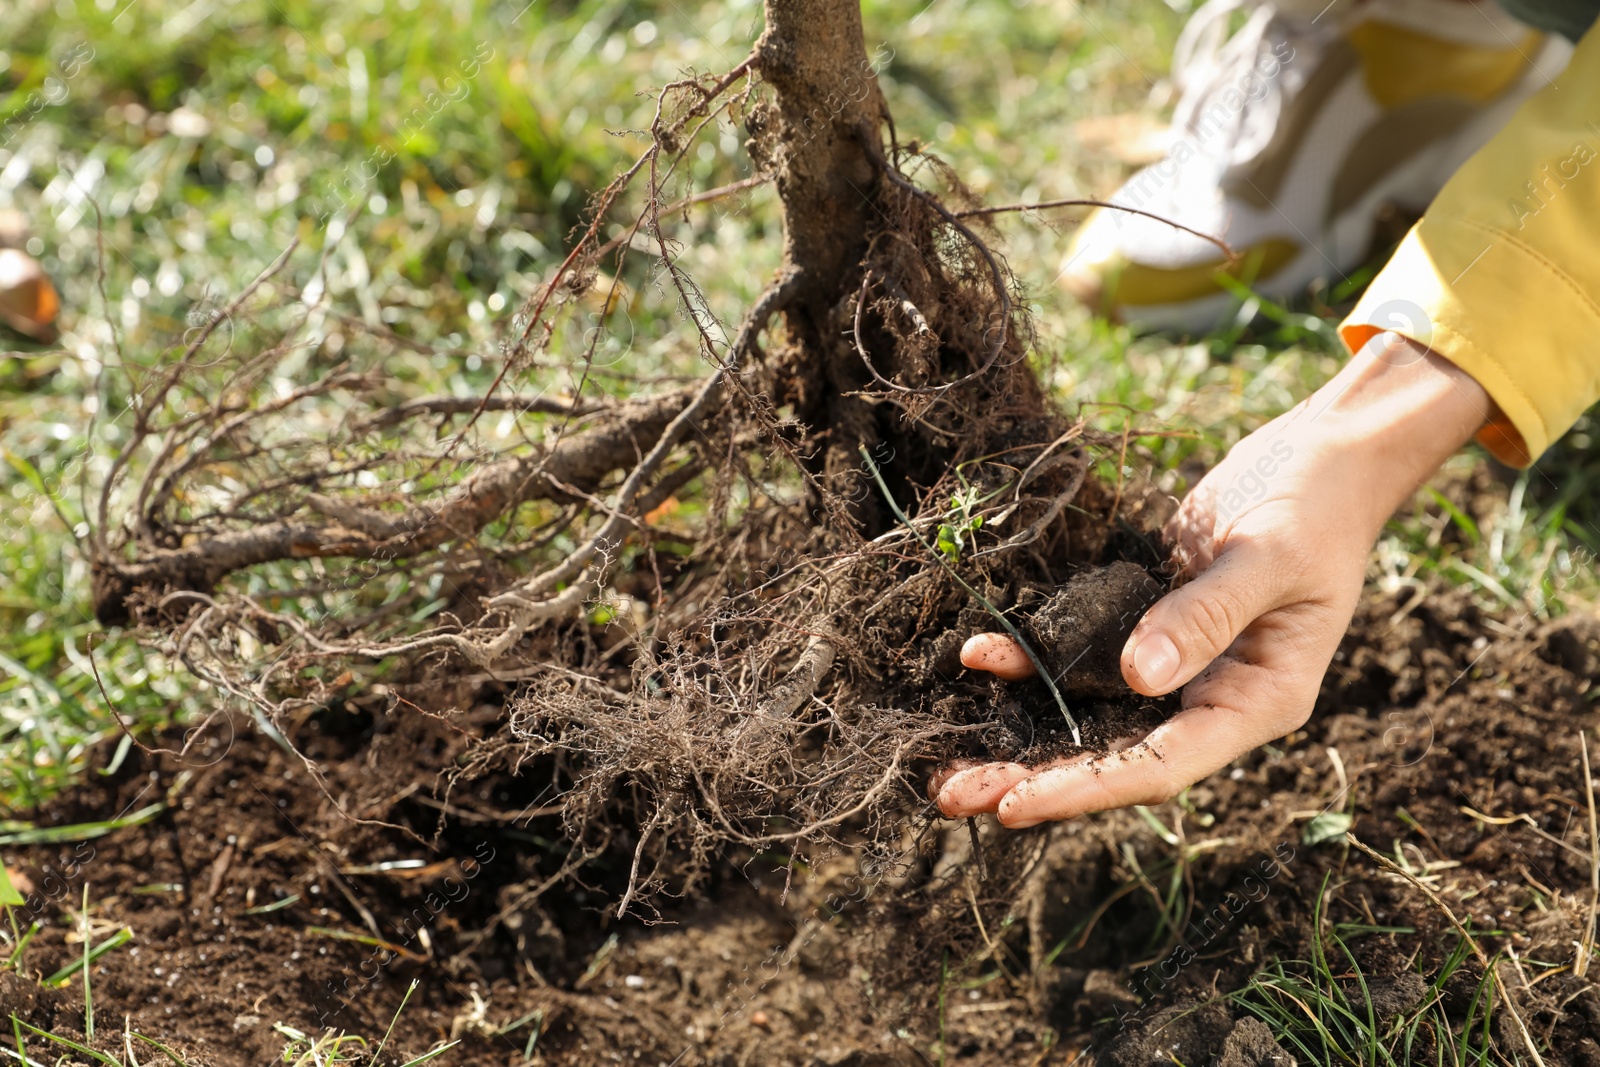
1271 548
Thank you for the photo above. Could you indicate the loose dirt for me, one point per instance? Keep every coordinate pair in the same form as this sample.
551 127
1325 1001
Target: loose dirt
1432 710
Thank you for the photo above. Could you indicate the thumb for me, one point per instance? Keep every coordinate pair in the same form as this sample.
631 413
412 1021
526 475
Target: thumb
1193 625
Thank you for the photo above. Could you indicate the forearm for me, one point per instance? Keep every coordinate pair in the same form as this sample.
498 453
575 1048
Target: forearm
1388 420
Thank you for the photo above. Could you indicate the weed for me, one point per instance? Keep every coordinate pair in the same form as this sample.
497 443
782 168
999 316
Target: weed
1009 626
963 522
1324 1017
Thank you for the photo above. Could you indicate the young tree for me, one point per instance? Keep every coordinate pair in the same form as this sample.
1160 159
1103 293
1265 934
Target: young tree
848 464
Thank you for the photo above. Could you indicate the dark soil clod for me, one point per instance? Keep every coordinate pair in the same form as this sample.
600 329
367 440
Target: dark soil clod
1079 632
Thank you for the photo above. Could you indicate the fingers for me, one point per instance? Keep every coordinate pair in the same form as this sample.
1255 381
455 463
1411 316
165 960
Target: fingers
1194 624
973 790
1264 688
1177 754
945 772
999 655
1192 545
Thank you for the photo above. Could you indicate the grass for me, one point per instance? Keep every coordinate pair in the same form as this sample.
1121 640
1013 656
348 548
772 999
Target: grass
1322 1010
463 194
200 138
21 833
1322 1020
300 1049
463 138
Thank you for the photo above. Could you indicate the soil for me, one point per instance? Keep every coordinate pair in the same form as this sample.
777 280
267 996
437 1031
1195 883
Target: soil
1431 709
1081 629
1078 633
512 854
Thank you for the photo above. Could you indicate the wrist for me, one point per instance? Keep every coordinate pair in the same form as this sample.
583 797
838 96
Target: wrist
1388 420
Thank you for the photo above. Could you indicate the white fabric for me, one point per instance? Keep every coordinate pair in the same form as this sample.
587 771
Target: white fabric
1207 63
1235 88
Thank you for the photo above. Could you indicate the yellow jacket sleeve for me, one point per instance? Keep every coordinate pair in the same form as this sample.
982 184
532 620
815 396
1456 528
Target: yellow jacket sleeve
1502 275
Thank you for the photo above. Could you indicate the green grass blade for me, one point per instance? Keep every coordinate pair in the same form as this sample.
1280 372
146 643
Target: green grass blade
16 1031
9 897
410 989
33 678
15 959
88 996
424 1058
533 1039
99 1057
123 748
1457 516
536 1017
31 475
115 941
276 905
159 1047
1375 1052
1319 958
1156 825
86 831
1282 1022
1038 665
517 1024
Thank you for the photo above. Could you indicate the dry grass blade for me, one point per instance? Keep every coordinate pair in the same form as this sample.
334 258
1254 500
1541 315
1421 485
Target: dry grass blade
1477 950
1042 205
1580 966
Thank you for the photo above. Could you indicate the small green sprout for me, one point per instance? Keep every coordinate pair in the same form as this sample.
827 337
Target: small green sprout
1009 627
964 522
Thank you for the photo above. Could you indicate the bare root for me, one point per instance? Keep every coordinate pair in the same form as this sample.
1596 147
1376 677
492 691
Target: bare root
775 671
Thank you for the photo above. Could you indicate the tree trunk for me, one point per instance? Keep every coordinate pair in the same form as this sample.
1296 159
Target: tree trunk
814 56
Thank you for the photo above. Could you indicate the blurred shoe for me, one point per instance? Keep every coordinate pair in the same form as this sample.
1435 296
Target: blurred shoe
28 302
1290 134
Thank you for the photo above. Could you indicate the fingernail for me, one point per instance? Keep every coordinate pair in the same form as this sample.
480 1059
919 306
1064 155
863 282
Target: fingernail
1156 659
1013 815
